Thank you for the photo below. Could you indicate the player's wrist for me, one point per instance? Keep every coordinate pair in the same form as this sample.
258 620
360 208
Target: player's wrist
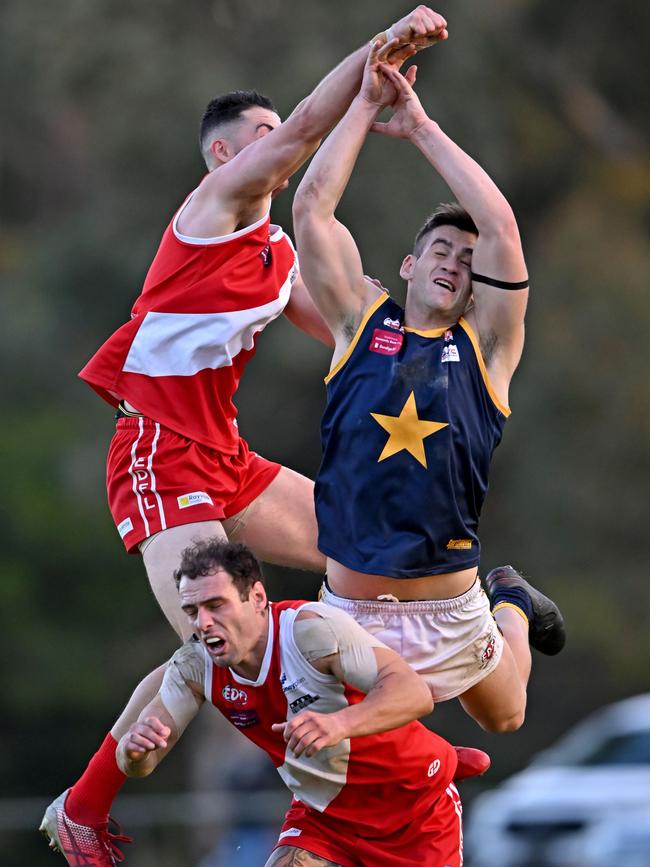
366 105
390 33
422 129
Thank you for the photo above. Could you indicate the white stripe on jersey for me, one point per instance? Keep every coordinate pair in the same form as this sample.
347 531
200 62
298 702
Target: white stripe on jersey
182 344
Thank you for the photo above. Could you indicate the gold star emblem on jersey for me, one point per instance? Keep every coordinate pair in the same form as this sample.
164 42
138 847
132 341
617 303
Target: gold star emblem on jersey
407 431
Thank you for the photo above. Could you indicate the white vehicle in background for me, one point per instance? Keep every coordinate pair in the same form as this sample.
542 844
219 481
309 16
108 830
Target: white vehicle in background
585 802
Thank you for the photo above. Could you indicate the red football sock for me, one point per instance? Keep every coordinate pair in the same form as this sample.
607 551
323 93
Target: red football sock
90 799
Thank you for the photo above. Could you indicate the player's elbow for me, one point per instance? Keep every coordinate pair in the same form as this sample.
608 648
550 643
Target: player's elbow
501 227
308 204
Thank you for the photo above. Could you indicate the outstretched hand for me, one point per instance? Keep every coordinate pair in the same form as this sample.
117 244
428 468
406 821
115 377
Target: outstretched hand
376 88
408 113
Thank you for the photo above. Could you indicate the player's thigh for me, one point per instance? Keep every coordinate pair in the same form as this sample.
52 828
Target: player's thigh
280 524
162 556
289 856
498 702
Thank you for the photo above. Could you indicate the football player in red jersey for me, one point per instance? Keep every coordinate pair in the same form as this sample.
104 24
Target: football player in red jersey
332 706
177 467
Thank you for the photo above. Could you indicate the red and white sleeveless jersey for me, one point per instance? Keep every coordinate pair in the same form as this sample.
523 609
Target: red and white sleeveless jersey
192 330
371 781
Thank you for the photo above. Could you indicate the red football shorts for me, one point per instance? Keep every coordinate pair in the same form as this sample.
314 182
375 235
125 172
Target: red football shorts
434 839
156 479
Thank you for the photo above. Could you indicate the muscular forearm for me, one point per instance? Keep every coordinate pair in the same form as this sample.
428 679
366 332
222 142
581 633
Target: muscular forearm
392 702
327 103
470 184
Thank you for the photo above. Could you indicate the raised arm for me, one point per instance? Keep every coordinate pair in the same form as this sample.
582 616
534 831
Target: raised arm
498 310
336 645
330 261
241 188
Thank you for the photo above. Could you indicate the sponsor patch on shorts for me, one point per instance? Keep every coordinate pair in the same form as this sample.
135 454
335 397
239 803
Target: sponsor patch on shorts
462 544
488 652
125 527
194 499
290 832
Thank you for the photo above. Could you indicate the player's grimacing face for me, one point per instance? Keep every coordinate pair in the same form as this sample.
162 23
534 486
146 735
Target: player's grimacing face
229 627
441 274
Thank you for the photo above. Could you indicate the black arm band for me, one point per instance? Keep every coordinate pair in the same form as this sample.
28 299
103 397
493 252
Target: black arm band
499 284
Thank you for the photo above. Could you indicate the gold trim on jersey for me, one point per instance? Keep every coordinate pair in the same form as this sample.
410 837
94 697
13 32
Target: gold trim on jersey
348 352
431 332
467 328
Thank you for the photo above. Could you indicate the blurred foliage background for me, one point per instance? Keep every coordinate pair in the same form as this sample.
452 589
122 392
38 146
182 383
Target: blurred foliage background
100 104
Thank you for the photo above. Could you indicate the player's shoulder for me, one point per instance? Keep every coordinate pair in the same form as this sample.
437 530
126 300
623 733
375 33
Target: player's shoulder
188 656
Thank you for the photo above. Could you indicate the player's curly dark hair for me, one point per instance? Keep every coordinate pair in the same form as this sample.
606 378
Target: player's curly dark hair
227 107
446 214
208 555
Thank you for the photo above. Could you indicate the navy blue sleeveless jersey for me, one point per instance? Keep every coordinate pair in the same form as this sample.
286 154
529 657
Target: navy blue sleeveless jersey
408 434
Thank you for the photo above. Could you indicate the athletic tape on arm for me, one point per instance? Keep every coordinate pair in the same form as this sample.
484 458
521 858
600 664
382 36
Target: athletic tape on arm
187 664
334 631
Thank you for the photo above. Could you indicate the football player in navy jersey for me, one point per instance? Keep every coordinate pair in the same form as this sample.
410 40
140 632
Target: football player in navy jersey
177 467
417 399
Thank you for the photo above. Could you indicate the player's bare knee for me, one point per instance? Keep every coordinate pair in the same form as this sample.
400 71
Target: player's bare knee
501 723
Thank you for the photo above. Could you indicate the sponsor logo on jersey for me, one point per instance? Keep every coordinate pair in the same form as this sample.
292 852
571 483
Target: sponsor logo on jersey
434 767
462 544
288 687
290 832
234 694
124 527
194 499
392 323
449 335
243 718
303 702
266 256
450 353
385 342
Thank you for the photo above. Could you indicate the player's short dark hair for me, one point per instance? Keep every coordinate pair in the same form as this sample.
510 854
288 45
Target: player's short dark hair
227 107
446 214
209 555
